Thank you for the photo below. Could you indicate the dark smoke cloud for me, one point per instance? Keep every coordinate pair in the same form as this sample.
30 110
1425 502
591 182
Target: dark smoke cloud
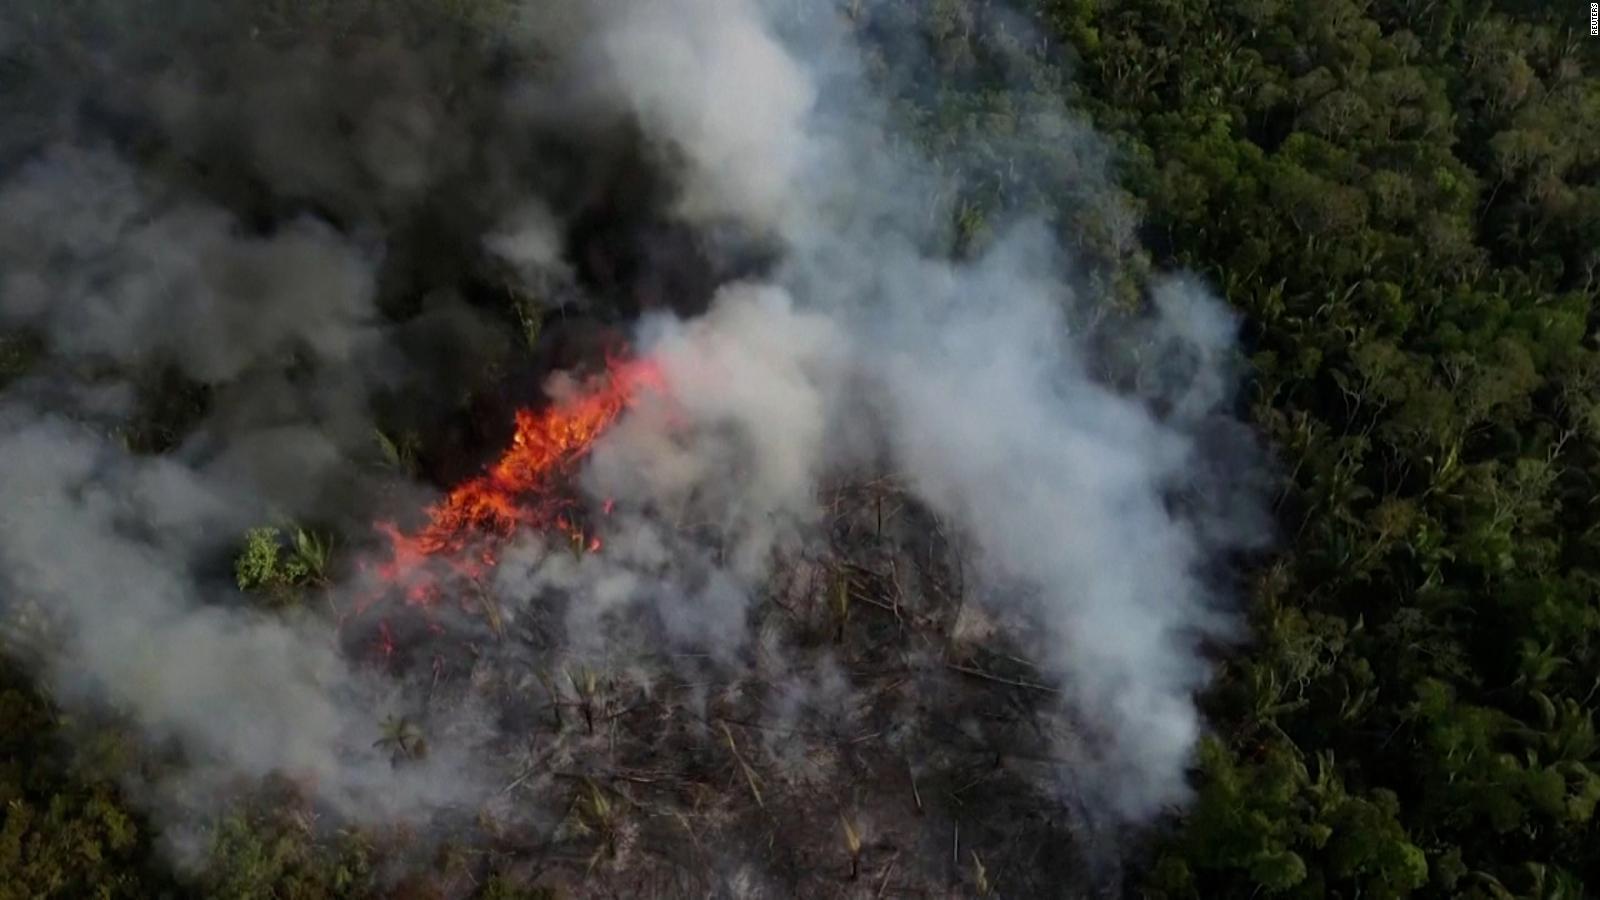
106 267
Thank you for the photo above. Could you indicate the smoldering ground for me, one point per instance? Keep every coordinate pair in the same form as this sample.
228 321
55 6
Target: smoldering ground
910 558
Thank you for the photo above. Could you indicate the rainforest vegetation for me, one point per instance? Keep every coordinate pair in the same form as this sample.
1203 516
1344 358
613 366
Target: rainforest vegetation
1401 198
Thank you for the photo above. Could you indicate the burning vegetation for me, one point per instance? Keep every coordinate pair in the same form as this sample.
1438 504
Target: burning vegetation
819 751
527 487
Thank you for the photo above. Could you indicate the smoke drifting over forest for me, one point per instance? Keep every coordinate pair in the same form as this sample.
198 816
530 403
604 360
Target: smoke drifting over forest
311 226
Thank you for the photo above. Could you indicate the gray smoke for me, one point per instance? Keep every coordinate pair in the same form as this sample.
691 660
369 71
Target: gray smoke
108 268
1092 517
970 376
99 563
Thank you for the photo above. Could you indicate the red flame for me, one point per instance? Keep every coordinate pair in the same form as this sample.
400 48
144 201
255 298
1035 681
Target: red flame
523 489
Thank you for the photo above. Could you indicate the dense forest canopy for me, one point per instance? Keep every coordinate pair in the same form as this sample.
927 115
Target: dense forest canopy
1401 198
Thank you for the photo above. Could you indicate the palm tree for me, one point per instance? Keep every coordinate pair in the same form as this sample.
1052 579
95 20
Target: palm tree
403 738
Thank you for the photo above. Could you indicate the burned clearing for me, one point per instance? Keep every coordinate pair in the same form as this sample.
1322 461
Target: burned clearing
878 738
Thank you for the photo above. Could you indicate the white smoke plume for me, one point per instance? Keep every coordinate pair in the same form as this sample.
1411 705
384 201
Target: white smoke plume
1087 520
969 373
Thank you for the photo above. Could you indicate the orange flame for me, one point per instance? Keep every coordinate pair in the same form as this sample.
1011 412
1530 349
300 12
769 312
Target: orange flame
520 490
